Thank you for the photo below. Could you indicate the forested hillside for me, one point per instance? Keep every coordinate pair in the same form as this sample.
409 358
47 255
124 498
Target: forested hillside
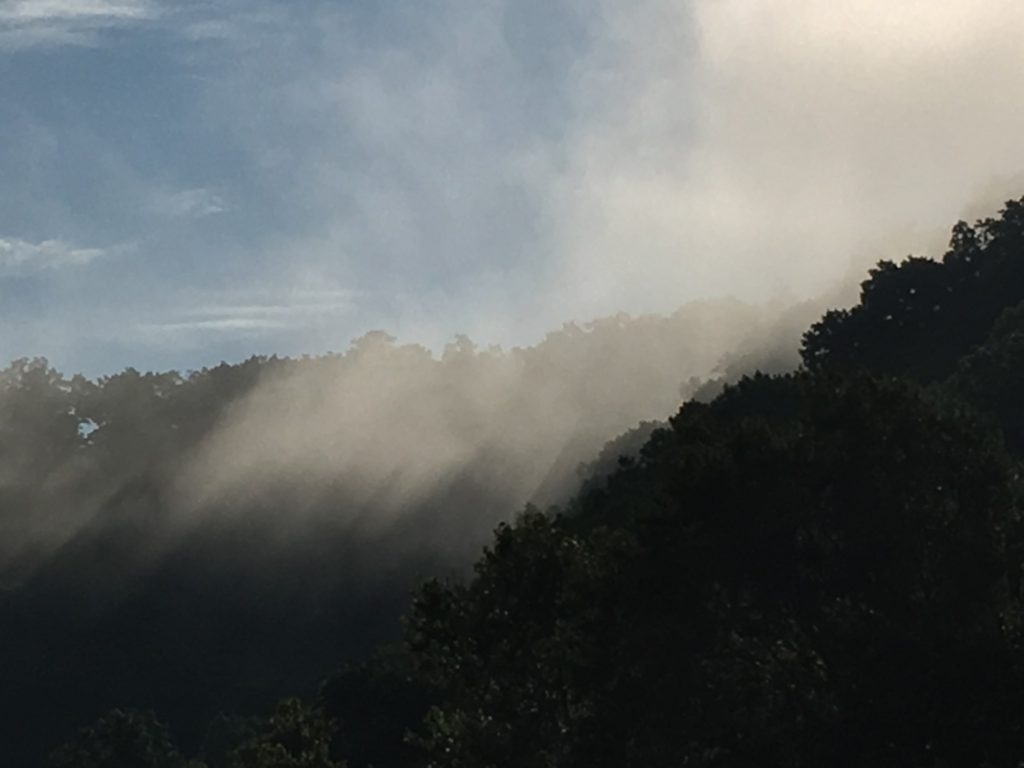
819 566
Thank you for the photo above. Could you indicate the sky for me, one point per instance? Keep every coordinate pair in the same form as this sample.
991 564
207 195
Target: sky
186 182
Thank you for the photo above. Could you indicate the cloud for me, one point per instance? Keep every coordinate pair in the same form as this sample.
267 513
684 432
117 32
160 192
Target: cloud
755 146
46 23
233 325
51 10
18 257
217 30
482 175
195 203
249 314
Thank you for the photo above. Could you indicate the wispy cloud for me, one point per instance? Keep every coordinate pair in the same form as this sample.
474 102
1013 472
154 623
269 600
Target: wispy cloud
190 204
19 257
241 314
233 325
52 10
34 23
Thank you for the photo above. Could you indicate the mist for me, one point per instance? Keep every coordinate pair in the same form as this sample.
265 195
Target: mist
387 444
389 426
760 148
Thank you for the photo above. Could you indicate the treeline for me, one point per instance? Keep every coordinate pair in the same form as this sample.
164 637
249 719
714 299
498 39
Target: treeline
820 567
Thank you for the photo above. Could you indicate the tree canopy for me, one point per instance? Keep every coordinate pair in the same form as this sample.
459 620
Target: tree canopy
760 588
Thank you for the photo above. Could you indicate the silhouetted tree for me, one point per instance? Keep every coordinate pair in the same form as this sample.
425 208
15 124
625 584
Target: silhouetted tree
920 317
296 735
992 377
121 739
375 704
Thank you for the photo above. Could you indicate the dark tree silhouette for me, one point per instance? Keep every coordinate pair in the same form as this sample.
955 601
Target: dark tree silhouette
121 739
828 581
920 317
296 735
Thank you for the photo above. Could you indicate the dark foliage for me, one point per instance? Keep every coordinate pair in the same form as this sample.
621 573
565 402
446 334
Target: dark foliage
919 318
992 377
121 739
375 705
296 735
830 586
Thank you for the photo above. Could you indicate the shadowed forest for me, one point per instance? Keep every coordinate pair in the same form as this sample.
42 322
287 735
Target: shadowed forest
733 536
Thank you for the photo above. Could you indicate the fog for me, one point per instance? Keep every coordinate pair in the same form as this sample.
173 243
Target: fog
386 444
388 431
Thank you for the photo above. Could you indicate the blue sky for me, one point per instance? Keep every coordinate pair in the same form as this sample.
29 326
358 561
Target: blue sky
185 182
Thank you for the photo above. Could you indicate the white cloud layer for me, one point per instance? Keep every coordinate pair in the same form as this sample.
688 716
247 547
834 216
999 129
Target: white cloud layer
33 23
23 257
51 10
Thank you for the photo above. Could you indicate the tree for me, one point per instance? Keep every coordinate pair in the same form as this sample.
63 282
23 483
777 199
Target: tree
992 377
121 739
375 704
296 735
920 317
